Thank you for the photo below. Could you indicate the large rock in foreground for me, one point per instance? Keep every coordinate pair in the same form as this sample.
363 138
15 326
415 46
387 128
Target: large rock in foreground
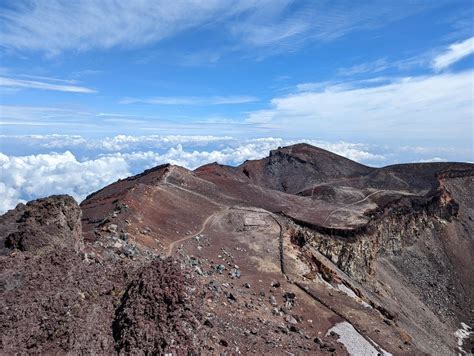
52 222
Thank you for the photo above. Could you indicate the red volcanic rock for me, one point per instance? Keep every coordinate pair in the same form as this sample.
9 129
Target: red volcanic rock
159 311
293 168
50 222
289 249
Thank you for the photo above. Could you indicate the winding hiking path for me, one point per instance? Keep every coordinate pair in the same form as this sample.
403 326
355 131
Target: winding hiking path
352 204
205 223
204 226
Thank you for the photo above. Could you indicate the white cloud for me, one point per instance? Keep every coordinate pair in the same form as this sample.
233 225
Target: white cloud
127 142
258 34
33 84
56 141
286 25
168 100
437 107
10 197
28 177
453 54
433 107
383 64
48 79
449 56
376 66
427 150
342 85
55 26
119 143
226 147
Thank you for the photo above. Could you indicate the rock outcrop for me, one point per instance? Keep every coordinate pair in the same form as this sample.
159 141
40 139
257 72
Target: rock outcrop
53 222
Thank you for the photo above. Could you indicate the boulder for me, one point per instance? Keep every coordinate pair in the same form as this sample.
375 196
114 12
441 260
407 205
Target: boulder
48 223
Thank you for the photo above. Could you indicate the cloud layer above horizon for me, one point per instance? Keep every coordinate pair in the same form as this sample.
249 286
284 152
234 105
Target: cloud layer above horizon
63 164
78 174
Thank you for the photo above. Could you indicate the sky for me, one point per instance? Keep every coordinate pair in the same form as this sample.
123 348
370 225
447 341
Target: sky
92 91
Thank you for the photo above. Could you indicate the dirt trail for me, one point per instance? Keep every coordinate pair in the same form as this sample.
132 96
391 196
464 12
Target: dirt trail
205 224
206 221
331 183
165 181
351 204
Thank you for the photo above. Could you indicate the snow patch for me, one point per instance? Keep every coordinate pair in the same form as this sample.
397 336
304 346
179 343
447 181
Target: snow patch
461 334
354 342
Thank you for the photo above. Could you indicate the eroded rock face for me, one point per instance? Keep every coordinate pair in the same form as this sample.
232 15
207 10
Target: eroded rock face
411 237
52 222
417 251
159 311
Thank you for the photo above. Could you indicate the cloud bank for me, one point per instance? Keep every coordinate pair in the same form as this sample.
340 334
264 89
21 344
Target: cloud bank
434 107
33 176
29 177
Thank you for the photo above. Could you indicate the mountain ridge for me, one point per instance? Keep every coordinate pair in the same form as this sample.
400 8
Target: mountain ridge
287 254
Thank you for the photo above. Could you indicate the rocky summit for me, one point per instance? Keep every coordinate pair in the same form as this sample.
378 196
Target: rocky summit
303 251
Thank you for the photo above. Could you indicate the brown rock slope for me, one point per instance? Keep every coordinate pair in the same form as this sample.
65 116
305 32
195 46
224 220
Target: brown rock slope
303 251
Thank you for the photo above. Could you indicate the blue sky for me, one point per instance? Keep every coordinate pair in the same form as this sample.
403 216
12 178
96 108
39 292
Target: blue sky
391 80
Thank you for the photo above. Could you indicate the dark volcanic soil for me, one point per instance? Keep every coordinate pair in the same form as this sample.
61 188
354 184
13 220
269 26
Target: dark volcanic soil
301 252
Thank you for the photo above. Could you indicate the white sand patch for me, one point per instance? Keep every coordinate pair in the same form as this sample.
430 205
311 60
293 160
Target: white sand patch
463 333
354 342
